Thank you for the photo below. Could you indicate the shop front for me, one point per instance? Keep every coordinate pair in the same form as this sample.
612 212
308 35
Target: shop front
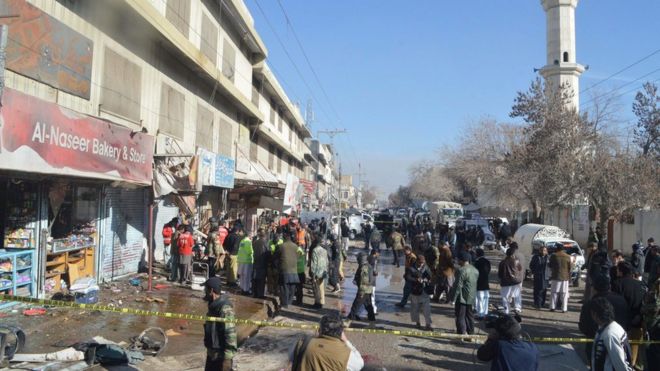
73 195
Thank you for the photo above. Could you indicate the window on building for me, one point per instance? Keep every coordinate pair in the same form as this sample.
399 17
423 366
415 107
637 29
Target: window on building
291 130
254 148
204 133
279 161
172 105
209 42
280 120
565 56
178 13
228 60
272 111
121 96
271 157
256 91
225 142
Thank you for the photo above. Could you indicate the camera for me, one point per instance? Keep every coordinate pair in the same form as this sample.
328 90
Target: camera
492 319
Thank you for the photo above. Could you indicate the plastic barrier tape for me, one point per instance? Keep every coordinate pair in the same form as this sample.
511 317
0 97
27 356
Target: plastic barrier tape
301 326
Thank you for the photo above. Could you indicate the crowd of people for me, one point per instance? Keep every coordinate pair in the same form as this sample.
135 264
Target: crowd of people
620 302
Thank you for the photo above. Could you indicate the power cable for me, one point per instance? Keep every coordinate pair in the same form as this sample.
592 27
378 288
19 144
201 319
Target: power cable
286 51
309 63
622 70
619 88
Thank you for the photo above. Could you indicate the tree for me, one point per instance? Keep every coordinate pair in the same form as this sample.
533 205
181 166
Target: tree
647 109
369 195
431 181
401 197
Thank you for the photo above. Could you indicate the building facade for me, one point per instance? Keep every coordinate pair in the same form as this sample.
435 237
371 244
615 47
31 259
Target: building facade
118 116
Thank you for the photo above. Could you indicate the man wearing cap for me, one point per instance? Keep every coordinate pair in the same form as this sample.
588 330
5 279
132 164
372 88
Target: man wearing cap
331 350
219 337
560 268
464 294
505 348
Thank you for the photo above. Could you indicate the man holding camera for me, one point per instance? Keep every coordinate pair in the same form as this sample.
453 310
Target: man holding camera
505 348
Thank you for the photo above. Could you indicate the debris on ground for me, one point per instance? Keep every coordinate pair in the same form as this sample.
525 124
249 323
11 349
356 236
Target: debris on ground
34 312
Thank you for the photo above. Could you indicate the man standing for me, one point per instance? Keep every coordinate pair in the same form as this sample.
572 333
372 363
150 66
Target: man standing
273 266
482 265
375 239
633 291
420 278
287 257
432 255
185 243
374 255
411 260
611 347
364 281
245 260
168 232
331 350
345 234
300 269
592 249
366 230
261 261
231 245
463 294
560 265
319 271
215 251
539 267
397 241
446 277
637 260
511 274
219 337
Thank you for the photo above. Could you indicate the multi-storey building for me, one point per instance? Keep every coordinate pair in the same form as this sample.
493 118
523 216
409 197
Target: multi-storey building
120 115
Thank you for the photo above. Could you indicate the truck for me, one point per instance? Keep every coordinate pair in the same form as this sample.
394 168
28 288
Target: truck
445 212
530 237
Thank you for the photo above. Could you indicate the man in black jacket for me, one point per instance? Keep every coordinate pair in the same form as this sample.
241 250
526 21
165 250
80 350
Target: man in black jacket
633 292
539 268
511 274
219 337
260 266
587 325
483 288
231 245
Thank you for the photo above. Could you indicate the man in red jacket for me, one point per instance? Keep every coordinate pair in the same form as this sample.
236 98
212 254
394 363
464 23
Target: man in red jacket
185 244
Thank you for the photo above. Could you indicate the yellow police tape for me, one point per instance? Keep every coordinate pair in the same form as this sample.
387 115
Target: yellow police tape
301 326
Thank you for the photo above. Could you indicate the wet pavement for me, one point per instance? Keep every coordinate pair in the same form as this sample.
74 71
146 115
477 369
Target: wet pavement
62 327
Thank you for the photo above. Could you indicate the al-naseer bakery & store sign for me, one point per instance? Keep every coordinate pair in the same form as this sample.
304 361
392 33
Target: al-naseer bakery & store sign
42 137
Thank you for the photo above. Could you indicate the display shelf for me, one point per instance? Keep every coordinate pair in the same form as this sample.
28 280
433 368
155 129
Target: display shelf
69 266
15 257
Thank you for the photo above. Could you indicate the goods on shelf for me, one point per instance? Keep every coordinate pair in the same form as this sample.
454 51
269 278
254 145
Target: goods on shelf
21 213
82 236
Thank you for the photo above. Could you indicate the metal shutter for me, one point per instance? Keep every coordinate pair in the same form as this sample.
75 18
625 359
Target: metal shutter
123 226
164 211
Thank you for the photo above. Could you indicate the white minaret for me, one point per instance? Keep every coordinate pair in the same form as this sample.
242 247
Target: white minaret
561 67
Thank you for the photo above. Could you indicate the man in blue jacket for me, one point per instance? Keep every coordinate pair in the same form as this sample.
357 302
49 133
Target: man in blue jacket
506 350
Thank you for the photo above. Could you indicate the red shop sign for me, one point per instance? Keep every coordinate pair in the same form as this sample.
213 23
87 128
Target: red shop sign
43 137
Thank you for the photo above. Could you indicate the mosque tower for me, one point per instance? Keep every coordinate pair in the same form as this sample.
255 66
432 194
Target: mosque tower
561 66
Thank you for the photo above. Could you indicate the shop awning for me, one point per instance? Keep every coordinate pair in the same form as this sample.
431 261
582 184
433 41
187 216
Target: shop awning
253 173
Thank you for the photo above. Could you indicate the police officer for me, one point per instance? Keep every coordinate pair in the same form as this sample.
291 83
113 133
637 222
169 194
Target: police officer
219 338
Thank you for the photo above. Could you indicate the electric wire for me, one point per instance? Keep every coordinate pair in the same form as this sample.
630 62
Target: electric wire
622 70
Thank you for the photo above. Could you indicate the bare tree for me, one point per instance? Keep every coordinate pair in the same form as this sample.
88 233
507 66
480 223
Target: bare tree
647 109
430 181
369 195
401 197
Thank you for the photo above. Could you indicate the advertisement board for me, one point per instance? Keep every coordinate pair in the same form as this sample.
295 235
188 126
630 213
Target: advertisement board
43 137
215 170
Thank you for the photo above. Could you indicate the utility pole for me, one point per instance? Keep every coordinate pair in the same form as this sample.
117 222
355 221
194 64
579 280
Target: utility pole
332 134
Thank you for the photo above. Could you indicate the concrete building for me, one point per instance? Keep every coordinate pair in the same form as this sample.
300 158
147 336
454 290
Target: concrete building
561 68
121 115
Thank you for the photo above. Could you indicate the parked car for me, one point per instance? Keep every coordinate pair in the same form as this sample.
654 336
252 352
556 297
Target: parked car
530 237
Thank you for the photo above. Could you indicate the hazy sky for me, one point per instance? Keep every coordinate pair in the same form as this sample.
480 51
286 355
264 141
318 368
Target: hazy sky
404 77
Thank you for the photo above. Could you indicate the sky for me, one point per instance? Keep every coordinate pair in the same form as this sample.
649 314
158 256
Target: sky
404 78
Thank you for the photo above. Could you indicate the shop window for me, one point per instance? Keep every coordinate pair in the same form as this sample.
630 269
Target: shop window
19 229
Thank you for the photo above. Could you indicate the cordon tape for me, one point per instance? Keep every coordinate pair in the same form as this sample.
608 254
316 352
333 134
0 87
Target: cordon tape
300 326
